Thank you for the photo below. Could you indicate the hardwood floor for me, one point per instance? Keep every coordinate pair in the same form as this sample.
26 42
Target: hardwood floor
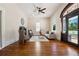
50 48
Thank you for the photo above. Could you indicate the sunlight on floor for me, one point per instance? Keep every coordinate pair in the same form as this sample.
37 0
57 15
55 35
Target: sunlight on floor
37 48
72 52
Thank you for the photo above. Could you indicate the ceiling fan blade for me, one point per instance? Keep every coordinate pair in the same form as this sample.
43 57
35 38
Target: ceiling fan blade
43 12
34 8
43 9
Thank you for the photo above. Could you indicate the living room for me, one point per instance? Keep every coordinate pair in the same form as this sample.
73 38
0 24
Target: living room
38 26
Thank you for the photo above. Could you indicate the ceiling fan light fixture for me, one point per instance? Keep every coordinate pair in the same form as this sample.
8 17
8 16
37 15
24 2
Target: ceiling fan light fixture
39 9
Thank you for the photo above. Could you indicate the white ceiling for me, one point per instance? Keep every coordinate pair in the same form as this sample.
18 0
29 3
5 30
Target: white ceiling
28 8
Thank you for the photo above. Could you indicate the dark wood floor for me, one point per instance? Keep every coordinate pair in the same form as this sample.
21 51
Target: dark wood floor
51 48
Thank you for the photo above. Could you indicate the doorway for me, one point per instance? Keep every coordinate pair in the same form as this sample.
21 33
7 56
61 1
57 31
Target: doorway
70 28
73 29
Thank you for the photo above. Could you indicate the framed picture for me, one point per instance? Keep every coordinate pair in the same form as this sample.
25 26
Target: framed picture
22 21
54 27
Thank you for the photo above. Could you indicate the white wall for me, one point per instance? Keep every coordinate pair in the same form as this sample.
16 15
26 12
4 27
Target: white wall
55 19
11 16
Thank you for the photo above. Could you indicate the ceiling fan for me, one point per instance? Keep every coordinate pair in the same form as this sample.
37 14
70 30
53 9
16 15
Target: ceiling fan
39 9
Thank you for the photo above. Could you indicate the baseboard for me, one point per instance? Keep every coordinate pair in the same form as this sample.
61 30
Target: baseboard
8 43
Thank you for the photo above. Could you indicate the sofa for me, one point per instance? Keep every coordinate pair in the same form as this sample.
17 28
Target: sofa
50 35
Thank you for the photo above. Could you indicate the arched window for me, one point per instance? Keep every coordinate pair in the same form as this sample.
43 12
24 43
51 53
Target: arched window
70 23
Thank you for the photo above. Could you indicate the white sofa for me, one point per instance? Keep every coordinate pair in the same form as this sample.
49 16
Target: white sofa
51 35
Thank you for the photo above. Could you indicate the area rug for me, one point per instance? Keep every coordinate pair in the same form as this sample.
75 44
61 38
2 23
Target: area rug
38 38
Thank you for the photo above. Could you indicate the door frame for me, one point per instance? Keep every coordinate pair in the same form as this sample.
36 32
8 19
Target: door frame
72 14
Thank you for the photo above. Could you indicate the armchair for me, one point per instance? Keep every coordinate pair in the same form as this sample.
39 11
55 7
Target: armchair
23 37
